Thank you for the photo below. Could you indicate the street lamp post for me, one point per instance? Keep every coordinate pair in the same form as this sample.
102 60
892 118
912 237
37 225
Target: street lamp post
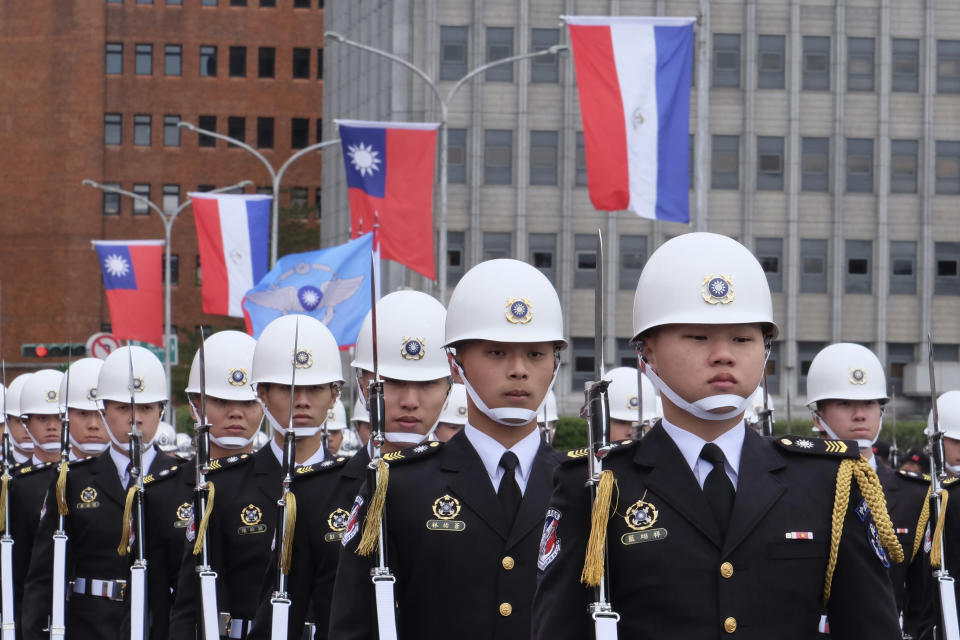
444 113
168 220
275 176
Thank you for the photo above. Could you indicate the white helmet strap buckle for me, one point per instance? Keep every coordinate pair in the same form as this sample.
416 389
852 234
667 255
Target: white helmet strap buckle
703 408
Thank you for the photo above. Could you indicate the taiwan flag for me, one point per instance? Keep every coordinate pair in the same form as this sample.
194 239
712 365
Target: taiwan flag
389 167
633 78
132 276
233 235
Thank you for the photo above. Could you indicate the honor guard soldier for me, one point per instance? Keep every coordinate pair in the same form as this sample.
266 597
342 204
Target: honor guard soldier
336 425
463 518
22 444
948 409
88 433
626 419
454 414
846 395
416 382
713 530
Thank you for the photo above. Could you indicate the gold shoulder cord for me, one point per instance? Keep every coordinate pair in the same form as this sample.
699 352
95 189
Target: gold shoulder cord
286 544
371 526
869 486
922 523
593 564
204 521
938 532
62 508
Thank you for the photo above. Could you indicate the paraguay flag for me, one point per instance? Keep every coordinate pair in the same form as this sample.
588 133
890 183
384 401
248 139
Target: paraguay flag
389 168
233 234
132 277
633 76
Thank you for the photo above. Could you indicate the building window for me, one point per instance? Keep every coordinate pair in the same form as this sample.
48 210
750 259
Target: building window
582 353
725 162
633 255
264 190
111 200
174 269
545 68
499 46
860 64
208 61
496 244
456 257
813 266
770 62
319 64
173 60
301 4
543 157
815 164
265 133
948 66
266 62
806 352
171 132
198 274
769 163
299 202
859 165
584 260
770 255
318 193
906 65
319 129
772 375
299 132
237 128
580 178
453 53
269 4
171 198
498 156
238 3
208 3
141 129
112 128
543 254
859 273
301 63
948 166
143 59
899 355
726 60
626 354
238 62
456 156
113 63
903 166
207 123
946 280
140 207
903 267
946 352
816 63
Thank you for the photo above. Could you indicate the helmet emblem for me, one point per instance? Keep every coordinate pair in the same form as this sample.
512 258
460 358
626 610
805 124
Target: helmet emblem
303 359
412 348
717 289
251 515
858 376
92 393
633 402
137 384
461 411
237 377
518 311
331 415
52 395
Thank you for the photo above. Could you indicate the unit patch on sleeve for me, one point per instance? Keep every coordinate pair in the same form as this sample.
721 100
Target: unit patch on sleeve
353 522
549 541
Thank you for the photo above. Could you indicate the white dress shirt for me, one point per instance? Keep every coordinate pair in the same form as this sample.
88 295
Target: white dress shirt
121 461
490 452
690 445
316 458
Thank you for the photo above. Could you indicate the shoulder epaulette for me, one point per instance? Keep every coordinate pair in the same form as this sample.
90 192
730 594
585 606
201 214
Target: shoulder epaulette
79 461
169 472
228 462
413 453
26 468
820 446
581 454
327 465
915 477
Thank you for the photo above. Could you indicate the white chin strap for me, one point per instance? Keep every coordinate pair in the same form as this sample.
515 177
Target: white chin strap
125 446
705 408
953 468
863 443
507 416
298 432
46 447
89 448
233 442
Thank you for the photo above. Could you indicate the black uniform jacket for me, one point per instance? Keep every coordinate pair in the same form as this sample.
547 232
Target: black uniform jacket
95 499
460 570
672 575
239 535
27 499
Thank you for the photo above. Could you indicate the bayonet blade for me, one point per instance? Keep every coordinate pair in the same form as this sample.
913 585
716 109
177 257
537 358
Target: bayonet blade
373 316
293 375
933 385
133 404
202 354
598 365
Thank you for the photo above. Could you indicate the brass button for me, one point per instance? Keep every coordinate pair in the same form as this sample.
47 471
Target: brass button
506 609
726 569
730 625
507 563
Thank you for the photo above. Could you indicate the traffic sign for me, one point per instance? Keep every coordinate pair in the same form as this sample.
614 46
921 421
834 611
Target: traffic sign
100 345
158 351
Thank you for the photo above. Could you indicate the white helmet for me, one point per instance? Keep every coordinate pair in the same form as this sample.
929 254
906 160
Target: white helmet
504 301
41 393
845 371
13 394
84 375
184 445
549 411
622 394
260 440
948 410
360 413
229 356
410 336
149 380
337 417
317 357
166 438
702 278
455 408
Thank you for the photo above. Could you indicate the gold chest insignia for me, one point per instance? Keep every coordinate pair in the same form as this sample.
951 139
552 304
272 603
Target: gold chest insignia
445 509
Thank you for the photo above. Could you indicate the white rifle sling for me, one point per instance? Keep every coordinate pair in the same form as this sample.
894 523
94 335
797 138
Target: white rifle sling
949 607
57 629
138 600
281 612
386 605
208 598
605 626
6 578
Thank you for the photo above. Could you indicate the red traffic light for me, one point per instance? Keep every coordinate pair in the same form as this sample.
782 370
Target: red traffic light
40 350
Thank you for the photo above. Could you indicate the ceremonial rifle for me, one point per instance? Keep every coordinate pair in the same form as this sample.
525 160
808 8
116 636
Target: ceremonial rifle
138 570
545 428
202 503
894 456
286 512
8 626
596 410
57 617
948 629
765 415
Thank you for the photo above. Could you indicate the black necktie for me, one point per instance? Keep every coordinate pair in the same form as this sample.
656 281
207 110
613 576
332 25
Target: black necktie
509 491
717 488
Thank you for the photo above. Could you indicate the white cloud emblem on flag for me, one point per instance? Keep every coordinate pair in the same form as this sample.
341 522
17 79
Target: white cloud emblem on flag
116 265
364 159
